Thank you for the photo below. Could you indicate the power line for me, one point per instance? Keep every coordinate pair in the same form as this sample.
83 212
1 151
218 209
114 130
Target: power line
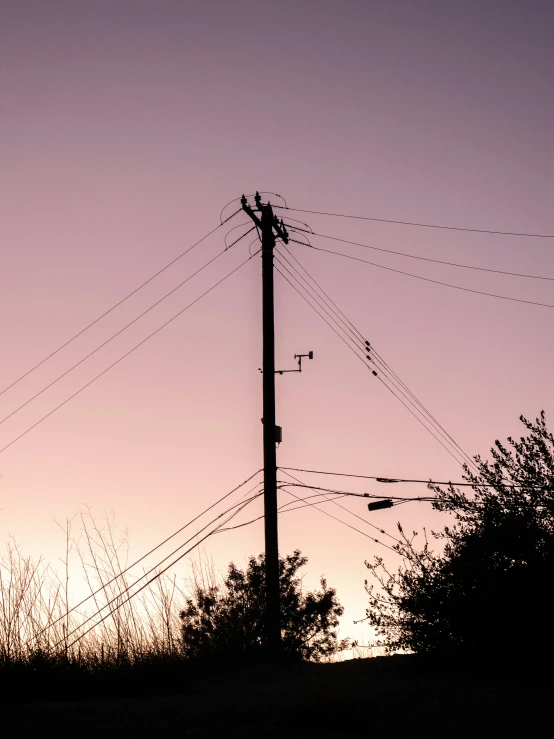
361 337
228 246
363 359
338 316
355 349
367 496
388 480
120 302
332 314
363 533
285 509
453 455
380 361
239 505
144 556
83 387
325 491
409 395
427 279
381 531
419 225
282 510
347 341
152 579
367 347
392 376
364 362
351 340
428 259
230 231
118 333
396 500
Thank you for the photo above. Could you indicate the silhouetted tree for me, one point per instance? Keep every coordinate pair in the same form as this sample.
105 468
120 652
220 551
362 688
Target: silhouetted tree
227 619
489 592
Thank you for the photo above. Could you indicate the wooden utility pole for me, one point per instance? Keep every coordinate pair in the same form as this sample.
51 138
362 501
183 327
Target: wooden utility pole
270 226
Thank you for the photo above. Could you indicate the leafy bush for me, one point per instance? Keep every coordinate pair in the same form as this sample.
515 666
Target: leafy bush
228 618
489 593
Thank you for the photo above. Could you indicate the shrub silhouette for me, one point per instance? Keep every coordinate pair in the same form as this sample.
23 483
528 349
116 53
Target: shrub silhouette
489 593
228 619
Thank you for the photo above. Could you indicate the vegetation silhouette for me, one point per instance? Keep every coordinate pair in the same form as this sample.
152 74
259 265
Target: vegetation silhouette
487 596
227 620
135 645
484 597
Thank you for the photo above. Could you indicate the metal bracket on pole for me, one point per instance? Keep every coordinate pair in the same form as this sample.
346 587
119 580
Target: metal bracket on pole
309 355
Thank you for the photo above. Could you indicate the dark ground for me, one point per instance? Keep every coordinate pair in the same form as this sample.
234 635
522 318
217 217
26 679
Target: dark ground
384 697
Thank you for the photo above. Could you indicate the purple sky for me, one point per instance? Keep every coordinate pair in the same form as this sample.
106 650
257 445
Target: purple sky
127 126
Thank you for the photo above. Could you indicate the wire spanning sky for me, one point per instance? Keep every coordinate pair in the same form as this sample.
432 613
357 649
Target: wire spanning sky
127 126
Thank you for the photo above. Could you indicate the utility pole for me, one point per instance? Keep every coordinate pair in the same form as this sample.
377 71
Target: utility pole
269 225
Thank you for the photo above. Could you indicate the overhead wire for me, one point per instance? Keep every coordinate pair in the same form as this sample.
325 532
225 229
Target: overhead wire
454 455
283 509
117 361
429 279
323 292
230 231
346 341
405 390
144 556
363 533
384 367
118 333
419 225
341 337
239 506
390 372
392 376
365 345
389 480
331 311
149 582
358 350
429 259
397 500
346 494
116 305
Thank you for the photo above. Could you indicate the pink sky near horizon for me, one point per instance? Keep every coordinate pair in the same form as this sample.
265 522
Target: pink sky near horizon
127 126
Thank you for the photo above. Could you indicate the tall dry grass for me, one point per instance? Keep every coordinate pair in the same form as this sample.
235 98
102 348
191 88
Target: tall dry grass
39 619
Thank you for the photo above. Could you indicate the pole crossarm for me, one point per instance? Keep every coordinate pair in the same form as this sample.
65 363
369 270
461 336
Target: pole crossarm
268 218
